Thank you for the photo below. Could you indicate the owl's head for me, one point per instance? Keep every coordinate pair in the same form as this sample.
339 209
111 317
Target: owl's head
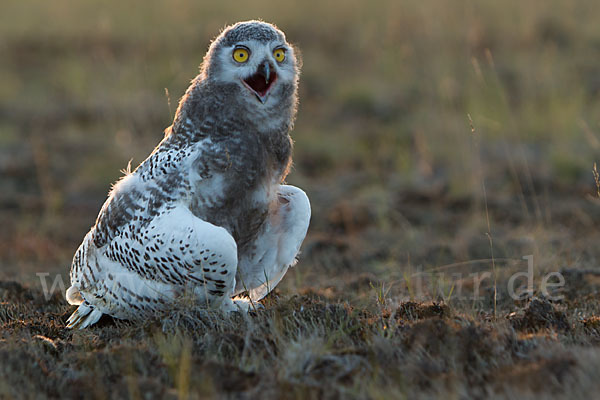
256 58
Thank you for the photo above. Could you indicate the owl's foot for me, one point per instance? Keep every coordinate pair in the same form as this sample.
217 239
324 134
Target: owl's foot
84 316
241 304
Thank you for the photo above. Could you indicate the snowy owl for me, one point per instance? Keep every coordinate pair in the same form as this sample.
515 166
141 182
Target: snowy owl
206 216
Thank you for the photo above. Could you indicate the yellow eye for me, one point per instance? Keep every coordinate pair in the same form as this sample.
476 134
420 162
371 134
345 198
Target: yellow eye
241 55
279 55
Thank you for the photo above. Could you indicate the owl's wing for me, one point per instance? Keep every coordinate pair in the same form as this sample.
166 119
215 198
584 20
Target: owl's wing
277 245
145 231
175 248
157 238
139 272
164 177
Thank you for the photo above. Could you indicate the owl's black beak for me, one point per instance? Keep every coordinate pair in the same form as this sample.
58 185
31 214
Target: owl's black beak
264 69
261 81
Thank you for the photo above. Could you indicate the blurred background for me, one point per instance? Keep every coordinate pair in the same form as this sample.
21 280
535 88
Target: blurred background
425 128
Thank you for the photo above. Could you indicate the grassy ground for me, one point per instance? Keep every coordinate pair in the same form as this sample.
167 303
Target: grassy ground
438 142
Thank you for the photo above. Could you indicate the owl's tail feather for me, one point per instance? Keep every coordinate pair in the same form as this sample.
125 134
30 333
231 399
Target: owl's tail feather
84 316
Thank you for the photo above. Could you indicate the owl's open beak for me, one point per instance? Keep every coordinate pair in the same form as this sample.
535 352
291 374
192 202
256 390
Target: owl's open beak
261 81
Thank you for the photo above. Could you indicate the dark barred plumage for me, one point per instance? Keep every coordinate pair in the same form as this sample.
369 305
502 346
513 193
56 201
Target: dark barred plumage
206 214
